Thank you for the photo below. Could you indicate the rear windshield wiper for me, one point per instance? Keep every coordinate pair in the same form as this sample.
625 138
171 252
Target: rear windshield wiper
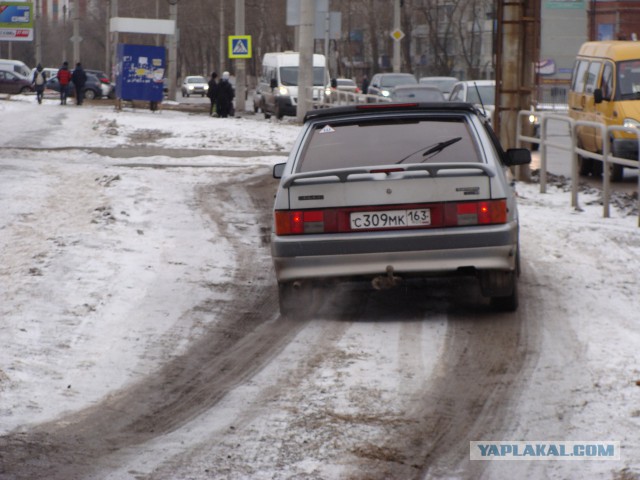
432 149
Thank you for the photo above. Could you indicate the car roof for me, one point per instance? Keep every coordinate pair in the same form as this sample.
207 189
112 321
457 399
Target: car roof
480 83
439 78
388 108
417 86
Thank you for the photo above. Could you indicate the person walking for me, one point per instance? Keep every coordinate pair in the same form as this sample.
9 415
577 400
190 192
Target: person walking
64 77
79 78
39 80
225 96
365 83
212 93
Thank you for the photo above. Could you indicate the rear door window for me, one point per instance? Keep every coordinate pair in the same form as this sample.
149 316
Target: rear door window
387 142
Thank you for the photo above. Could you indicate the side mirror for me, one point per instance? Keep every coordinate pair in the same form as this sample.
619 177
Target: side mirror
597 95
334 83
518 156
278 170
273 83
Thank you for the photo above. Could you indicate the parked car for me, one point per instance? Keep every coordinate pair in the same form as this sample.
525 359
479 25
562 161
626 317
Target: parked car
604 89
11 82
416 93
444 84
387 191
194 85
382 83
481 93
108 87
49 72
93 89
337 85
478 92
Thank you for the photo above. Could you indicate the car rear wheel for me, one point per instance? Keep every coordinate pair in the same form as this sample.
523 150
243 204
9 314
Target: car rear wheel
24 90
501 286
295 299
585 165
89 94
508 303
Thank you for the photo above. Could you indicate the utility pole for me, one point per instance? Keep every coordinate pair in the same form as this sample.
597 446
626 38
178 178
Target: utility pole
172 66
38 34
65 35
76 39
222 42
305 69
114 39
396 43
241 82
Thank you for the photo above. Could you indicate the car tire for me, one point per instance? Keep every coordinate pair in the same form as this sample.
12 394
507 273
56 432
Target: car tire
295 299
617 172
24 90
89 94
508 303
501 286
585 166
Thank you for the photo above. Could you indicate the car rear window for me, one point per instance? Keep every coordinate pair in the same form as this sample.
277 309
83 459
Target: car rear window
387 142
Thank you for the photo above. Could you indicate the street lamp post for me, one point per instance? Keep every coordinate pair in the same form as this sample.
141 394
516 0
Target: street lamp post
172 66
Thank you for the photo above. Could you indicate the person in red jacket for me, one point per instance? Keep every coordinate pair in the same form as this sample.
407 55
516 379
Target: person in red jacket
64 77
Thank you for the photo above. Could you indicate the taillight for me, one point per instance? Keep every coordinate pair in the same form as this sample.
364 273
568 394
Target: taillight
476 213
335 220
299 222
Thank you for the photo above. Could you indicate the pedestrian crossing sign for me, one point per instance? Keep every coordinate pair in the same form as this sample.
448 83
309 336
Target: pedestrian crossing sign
239 46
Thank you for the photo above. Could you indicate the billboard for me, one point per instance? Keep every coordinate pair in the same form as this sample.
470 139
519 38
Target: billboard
140 72
16 21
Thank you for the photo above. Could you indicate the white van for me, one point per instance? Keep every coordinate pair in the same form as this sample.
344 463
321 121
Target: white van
277 90
15 66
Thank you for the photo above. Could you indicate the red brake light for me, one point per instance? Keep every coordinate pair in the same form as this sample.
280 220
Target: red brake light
333 220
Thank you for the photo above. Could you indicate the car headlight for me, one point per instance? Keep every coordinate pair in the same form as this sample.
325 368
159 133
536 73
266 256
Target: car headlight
385 93
190 87
283 90
533 119
631 123
327 91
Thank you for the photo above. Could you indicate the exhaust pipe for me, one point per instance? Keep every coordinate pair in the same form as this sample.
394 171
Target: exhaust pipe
386 282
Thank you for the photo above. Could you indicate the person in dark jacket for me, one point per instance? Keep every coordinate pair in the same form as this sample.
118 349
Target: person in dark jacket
212 93
365 83
39 80
79 78
64 77
225 96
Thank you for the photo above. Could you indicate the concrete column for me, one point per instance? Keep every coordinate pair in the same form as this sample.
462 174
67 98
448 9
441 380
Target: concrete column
305 71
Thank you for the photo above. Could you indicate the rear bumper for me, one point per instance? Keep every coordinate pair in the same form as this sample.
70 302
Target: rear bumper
413 253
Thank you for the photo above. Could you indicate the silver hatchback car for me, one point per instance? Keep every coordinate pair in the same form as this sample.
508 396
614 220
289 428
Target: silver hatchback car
384 191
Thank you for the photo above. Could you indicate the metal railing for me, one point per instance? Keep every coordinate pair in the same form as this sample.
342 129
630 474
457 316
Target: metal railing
606 157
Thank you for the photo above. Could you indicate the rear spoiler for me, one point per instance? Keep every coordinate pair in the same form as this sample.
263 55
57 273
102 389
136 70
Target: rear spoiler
343 174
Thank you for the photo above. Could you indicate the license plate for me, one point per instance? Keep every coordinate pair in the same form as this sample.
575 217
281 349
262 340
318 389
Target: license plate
390 219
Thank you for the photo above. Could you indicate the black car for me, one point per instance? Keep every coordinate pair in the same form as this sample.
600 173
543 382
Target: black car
92 89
